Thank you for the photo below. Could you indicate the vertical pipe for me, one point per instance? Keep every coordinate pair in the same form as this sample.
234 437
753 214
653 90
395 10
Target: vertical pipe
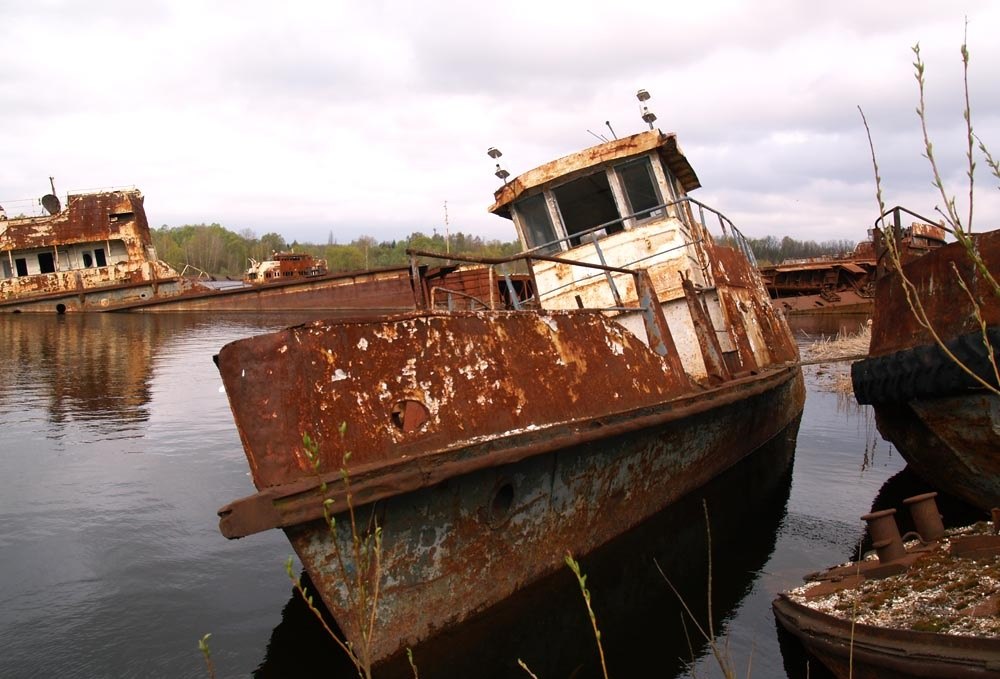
885 535
924 510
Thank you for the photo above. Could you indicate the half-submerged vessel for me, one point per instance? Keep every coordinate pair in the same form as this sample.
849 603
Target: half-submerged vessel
482 442
928 607
931 371
96 254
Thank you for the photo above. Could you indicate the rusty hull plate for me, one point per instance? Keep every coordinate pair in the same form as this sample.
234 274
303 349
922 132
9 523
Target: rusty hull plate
894 325
475 374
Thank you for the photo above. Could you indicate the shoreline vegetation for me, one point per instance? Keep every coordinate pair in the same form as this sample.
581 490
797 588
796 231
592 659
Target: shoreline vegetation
223 253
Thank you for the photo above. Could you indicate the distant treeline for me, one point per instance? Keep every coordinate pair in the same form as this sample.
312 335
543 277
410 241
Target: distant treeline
772 250
218 251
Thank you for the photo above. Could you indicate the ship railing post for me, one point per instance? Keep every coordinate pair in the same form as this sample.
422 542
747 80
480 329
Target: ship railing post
611 280
417 281
510 289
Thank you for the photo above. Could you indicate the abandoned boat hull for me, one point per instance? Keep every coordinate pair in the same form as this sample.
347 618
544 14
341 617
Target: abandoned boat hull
482 446
481 473
869 652
943 421
456 548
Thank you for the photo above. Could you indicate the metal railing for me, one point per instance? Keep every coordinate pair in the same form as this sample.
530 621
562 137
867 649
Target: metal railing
683 212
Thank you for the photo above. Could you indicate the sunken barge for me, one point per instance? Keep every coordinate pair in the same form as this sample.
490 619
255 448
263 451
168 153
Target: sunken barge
468 449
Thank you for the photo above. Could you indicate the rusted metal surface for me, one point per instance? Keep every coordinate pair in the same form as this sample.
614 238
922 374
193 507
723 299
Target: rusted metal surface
478 374
370 293
581 420
100 241
100 250
952 442
465 525
858 648
895 326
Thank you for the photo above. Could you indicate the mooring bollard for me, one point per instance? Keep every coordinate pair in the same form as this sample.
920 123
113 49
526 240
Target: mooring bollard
924 510
885 535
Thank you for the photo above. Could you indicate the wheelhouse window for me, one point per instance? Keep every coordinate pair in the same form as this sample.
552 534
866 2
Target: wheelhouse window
99 257
46 263
535 222
640 188
21 266
588 202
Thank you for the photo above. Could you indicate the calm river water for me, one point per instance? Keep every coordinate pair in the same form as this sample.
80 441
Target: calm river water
117 447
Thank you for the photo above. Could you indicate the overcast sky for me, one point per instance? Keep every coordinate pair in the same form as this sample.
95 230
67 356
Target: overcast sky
363 118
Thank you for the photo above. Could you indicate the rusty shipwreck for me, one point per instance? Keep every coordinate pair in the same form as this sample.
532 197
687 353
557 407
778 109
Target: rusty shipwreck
824 285
96 254
931 374
843 284
486 440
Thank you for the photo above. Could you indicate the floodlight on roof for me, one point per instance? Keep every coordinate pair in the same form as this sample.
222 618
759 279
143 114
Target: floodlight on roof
494 152
642 95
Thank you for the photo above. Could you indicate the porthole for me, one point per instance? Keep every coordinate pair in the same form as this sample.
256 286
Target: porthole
501 503
409 415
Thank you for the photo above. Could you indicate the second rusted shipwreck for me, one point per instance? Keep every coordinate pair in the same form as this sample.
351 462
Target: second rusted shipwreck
96 254
484 443
931 372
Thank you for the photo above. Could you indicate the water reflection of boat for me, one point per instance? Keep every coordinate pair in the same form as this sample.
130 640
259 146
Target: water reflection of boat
546 624
943 421
488 443
88 378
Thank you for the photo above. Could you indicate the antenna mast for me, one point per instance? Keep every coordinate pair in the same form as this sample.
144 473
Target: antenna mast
447 237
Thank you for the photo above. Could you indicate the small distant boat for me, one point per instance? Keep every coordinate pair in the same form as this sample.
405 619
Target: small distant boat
942 417
284 266
926 610
490 434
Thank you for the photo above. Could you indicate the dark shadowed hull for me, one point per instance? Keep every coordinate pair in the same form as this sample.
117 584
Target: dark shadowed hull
457 548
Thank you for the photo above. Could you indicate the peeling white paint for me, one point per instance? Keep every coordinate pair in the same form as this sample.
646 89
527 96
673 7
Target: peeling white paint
338 375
